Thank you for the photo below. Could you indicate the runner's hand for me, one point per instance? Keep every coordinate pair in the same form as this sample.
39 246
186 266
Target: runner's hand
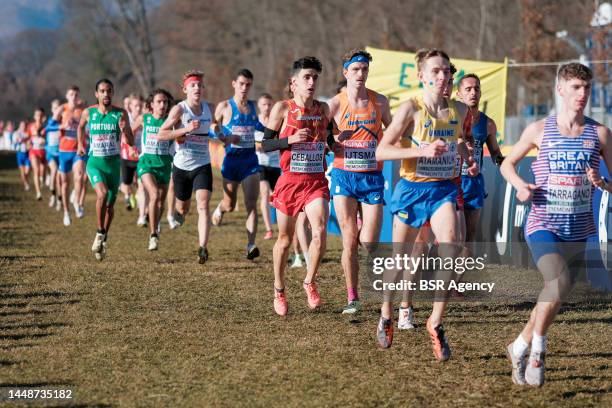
435 149
193 125
473 167
80 150
525 193
301 135
595 178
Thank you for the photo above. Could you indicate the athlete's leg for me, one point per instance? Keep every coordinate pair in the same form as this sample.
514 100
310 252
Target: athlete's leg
250 190
150 185
101 204
143 200
304 234
286 228
170 200
38 174
203 205
472 217
264 203
317 213
79 181
346 213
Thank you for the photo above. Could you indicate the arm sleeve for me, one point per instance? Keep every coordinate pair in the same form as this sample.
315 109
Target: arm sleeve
271 142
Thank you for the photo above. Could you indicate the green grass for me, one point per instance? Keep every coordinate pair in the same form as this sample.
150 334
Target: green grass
157 329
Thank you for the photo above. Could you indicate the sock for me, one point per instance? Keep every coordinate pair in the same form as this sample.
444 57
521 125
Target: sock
154 235
538 343
519 347
352 294
101 231
279 290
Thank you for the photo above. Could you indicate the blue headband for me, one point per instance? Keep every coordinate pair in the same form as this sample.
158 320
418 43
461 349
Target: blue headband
356 58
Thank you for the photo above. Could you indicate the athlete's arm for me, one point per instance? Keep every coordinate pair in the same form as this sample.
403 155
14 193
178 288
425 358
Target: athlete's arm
126 130
219 118
529 140
605 143
270 141
138 123
167 131
385 109
494 150
390 148
81 132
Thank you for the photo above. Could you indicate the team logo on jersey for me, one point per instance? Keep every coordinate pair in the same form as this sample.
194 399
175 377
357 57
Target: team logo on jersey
588 144
348 115
428 123
94 116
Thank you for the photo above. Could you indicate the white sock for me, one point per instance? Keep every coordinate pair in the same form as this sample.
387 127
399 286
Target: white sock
519 347
538 343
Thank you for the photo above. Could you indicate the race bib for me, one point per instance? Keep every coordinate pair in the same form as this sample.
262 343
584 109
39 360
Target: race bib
53 138
155 146
103 145
360 155
477 158
38 142
568 194
442 167
307 157
247 136
196 147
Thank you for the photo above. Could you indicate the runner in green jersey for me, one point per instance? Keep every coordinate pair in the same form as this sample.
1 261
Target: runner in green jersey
155 163
106 124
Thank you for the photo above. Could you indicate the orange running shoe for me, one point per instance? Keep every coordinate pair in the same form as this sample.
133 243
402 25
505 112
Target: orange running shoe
314 300
384 332
441 348
280 303
268 235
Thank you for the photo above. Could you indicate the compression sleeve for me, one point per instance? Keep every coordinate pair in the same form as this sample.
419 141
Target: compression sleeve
271 142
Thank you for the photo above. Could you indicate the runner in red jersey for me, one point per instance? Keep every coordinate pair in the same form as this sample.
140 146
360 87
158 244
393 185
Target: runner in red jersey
303 125
36 132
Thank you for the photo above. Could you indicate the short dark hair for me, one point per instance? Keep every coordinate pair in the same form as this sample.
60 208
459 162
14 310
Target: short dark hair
74 88
244 73
307 63
356 52
469 76
453 69
104 81
265 96
424 54
575 70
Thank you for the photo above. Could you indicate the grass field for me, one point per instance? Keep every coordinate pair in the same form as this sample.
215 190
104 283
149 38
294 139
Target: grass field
157 329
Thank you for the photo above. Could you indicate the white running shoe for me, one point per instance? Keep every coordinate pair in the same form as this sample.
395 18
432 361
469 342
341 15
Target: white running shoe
97 244
217 216
102 254
38 196
172 224
518 366
142 221
297 261
406 318
67 220
58 205
80 212
534 373
52 201
153 243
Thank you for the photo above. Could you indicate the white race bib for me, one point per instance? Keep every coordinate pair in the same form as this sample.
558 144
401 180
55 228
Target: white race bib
360 155
442 167
568 194
307 157
104 145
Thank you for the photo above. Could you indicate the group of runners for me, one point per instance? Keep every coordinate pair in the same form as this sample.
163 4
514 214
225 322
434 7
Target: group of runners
279 154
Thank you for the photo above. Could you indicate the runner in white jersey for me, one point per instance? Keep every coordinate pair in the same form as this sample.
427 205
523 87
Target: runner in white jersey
189 123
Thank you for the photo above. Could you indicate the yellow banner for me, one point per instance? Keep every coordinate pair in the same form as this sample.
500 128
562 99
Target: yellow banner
394 74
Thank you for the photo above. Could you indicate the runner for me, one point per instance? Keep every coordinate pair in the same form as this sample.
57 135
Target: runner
269 165
356 176
21 139
425 191
108 126
68 159
36 132
297 127
130 162
190 122
155 164
484 131
52 130
238 115
566 174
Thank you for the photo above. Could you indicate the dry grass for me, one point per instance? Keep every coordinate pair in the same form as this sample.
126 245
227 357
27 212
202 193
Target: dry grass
157 329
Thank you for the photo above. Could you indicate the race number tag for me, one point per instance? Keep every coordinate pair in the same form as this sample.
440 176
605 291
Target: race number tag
568 194
247 136
307 157
360 155
442 167
103 145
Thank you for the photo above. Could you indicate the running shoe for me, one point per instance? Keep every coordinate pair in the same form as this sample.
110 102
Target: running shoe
58 204
102 253
80 213
406 318
179 218
268 235
297 261
202 255
534 373
38 196
312 295
67 220
441 349
97 244
518 366
352 307
133 202
142 221
217 216
52 201
280 303
384 332
26 187
172 224
252 252
153 243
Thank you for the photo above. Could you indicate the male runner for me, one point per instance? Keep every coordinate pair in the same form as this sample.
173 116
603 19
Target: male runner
356 177
269 164
189 123
238 116
129 161
155 163
68 159
36 131
52 131
108 126
484 131
566 174
425 191
297 127
21 139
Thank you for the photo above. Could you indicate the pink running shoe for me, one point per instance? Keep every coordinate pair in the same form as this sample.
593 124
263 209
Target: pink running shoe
312 294
268 235
280 303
